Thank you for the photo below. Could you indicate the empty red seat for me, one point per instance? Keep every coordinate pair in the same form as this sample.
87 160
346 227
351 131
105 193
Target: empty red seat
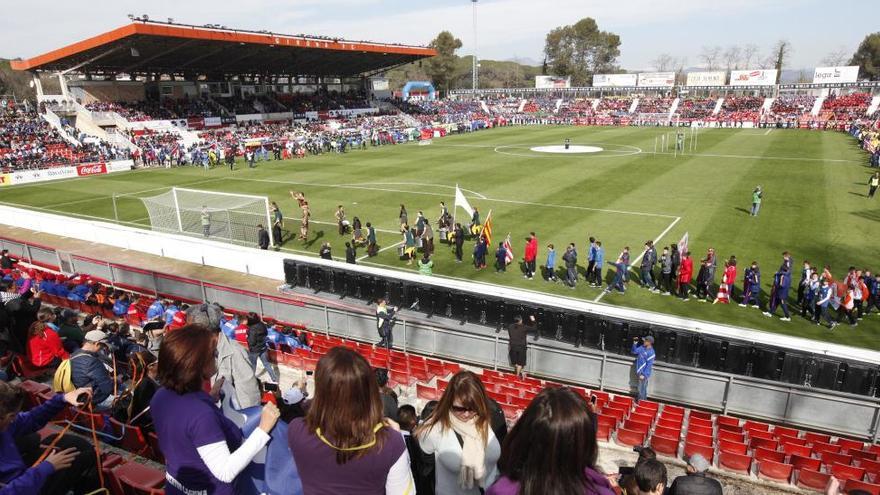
510 411
730 436
817 437
871 467
610 410
756 426
667 432
427 392
664 445
604 419
731 461
813 480
630 438
761 434
642 418
603 432
782 430
401 378
847 444
623 401
863 454
649 405
792 449
669 409
497 397
699 422
520 402
700 415
847 472
852 485
756 443
708 452
829 458
762 454
801 462
700 430
136 479
792 440
732 447
698 439
668 422
775 471
631 424
133 439
730 427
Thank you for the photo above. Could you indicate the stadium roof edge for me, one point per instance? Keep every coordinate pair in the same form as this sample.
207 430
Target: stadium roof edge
190 33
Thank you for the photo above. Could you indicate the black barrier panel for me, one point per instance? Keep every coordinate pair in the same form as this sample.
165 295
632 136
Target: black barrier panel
458 304
617 338
290 275
858 380
708 353
738 359
794 368
572 328
685 349
494 313
767 363
594 331
664 344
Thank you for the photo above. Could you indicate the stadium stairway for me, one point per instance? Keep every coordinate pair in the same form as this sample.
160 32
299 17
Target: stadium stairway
673 108
817 106
633 106
765 108
872 108
718 105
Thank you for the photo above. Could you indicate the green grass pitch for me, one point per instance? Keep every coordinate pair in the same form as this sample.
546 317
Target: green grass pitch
815 203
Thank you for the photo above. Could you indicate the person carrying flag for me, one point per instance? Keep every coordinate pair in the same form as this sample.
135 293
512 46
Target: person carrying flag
531 253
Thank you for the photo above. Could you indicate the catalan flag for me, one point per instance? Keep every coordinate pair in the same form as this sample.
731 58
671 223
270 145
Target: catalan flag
487 229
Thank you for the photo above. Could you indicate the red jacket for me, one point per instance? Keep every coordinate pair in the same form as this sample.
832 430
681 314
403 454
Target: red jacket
531 249
686 270
43 349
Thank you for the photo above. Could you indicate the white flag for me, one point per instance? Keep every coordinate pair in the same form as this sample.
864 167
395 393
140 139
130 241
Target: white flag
462 201
683 244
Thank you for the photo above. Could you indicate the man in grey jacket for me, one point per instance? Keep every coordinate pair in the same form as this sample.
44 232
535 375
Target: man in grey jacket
233 363
649 259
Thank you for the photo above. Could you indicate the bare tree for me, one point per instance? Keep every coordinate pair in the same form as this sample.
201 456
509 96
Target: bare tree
836 58
732 56
664 62
709 56
781 51
680 64
749 55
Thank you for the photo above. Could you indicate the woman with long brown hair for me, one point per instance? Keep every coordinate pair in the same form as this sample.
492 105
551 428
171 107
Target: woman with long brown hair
551 449
459 433
44 346
344 445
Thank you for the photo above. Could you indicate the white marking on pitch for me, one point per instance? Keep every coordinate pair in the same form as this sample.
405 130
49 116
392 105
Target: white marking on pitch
386 248
572 149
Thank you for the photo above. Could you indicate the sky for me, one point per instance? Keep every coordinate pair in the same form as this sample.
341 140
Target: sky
506 29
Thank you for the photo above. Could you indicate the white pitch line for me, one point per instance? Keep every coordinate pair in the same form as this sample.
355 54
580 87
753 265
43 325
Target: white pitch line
744 157
639 257
415 184
768 131
377 230
423 193
381 250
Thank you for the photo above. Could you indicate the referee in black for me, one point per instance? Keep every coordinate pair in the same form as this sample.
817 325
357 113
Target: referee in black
517 333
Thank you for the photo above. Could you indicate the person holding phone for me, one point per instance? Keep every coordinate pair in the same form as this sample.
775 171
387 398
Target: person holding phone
516 344
644 363
70 465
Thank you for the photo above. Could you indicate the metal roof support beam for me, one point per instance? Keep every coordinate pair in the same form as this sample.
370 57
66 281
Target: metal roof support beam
154 57
93 59
200 57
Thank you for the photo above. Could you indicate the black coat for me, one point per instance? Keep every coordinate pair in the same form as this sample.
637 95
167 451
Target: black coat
256 338
21 313
263 239
695 484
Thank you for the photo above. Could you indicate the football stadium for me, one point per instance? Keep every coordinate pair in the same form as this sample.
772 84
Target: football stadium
240 261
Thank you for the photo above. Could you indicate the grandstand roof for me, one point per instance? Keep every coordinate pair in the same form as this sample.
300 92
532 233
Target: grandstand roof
151 47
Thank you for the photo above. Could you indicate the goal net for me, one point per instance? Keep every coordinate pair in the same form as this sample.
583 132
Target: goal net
215 215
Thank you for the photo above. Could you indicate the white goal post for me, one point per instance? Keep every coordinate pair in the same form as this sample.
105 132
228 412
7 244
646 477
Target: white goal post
214 215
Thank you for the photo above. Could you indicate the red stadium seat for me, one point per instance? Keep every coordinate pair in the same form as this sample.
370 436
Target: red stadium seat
730 436
665 445
622 401
871 467
792 440
700 415
618 413
427 392
603 432
727 420
133 439
642 418
609 421
852 485
801 450
630 438
801 462
631 424
732 447
847 444
676 410
667 432
756 425
813 480
829 458
817 437
819 447
738 463
706 451
847 472
667 422
781 430
153 440
762 454
863 454
497 397
703 423
133 478
700 430
648 405
761 434
698 439
755 443
775 471
510 411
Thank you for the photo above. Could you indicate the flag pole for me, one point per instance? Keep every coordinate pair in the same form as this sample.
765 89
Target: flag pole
455 206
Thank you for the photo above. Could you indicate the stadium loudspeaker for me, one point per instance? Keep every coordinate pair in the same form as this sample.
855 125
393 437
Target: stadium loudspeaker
290 275
841 376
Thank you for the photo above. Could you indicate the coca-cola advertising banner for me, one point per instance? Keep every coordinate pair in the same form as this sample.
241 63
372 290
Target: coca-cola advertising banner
757 77
91 169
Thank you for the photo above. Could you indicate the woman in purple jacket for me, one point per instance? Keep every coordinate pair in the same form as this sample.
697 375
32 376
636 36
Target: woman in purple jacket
551 449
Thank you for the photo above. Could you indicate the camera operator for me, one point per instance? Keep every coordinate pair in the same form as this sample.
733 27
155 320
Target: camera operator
384 322
88 369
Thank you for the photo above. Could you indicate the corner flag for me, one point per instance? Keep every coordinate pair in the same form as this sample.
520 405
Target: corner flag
462 201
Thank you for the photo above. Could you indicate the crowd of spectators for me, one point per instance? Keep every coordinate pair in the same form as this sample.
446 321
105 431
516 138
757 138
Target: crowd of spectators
658 105
845 107
791 107
690 109
738 109
616 106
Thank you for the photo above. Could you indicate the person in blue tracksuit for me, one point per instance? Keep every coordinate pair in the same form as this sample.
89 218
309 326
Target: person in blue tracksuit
170 311
591 259
779 293
644 363
823 299
228 326
550 265
597 269
155 310
751 286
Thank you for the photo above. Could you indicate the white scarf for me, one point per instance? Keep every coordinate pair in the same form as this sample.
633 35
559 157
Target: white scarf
473 452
